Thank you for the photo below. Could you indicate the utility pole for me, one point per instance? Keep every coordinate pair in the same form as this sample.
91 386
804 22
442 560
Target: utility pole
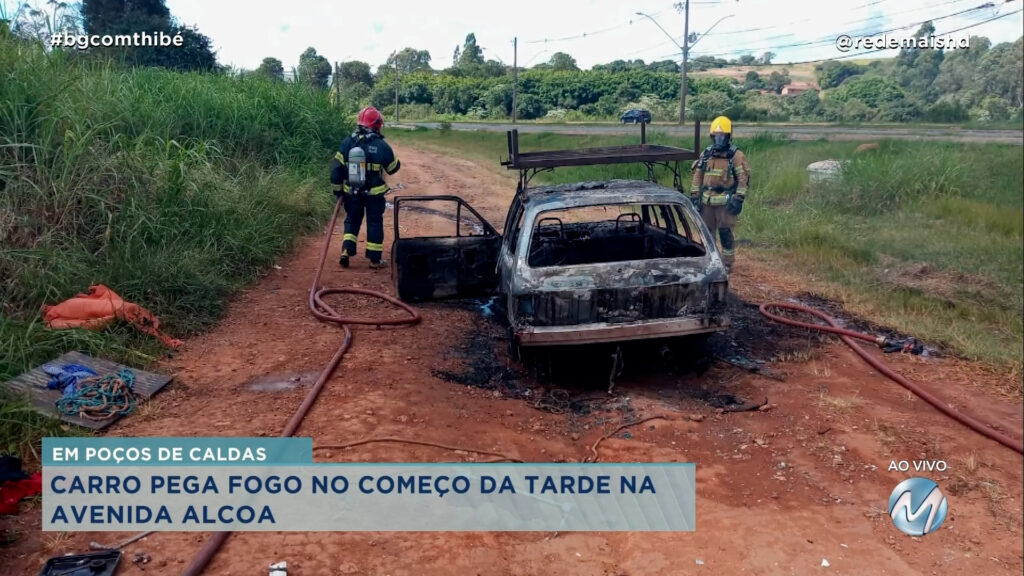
682 48
515 76
337 84
682 68
396 87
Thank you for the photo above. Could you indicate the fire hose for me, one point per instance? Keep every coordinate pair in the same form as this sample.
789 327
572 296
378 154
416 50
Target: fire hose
324 312
847 336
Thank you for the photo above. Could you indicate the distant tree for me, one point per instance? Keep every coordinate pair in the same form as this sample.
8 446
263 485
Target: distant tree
148 16
121 16
314 69
664 66
872 91
562 61
1000 73
410 60
917 68
529 106
949 110
40 23
355 72
707 63
491 69
707 105
807 104
470 53
753 81
776 81
766 58
832 73
958 69
855 110
196 51
991 108
499 99
271 68
747 60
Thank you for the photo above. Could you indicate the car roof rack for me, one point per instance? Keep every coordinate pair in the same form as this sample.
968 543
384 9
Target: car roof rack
530 163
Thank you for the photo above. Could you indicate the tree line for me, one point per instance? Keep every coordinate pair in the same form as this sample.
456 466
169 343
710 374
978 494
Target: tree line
982 83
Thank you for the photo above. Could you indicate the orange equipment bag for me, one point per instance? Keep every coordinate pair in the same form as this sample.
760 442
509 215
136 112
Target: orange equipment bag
98 308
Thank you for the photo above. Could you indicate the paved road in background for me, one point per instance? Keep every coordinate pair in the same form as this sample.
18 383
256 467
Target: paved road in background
793 131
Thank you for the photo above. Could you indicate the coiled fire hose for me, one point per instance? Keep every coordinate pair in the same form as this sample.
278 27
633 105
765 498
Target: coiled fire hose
847 335
322 311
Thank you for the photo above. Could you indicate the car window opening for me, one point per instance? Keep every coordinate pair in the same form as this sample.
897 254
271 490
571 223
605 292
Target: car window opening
602 234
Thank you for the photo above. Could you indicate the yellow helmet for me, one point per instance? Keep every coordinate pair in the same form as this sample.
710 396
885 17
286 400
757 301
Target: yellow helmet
721 124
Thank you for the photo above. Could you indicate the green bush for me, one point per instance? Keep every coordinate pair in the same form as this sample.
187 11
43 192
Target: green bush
174 189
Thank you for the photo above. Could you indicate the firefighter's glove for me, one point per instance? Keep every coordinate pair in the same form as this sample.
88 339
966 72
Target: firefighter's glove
735 205
908 346
338 192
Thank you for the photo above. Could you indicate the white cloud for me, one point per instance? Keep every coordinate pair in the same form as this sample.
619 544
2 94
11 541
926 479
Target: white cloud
246 32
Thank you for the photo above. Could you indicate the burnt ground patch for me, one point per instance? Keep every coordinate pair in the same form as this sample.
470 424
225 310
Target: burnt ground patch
576 380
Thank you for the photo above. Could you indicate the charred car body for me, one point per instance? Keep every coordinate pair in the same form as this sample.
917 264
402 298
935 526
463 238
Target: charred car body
578 263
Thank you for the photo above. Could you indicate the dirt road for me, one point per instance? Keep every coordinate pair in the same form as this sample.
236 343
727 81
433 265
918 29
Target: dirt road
778 490
792 131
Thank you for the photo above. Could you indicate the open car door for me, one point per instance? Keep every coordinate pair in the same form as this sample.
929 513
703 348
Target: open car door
432 267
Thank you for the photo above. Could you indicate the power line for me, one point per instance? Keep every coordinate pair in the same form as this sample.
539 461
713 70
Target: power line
772 27
830 39
866 52
584 34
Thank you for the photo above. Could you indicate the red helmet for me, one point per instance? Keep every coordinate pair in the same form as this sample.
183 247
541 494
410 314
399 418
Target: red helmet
371 118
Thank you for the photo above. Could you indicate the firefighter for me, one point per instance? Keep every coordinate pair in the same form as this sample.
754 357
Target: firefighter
720 178
357 173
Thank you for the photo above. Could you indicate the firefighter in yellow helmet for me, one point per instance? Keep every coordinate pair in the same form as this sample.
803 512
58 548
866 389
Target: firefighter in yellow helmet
720 178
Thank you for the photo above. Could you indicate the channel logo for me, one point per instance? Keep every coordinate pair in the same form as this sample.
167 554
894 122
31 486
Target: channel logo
917 506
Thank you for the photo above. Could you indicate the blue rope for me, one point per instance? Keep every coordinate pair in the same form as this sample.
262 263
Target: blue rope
101 397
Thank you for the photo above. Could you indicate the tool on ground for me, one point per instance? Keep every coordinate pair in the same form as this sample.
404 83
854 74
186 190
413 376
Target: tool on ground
908 346
322 311
100 307
983 428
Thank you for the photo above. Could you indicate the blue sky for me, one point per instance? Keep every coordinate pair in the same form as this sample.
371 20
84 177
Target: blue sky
245 32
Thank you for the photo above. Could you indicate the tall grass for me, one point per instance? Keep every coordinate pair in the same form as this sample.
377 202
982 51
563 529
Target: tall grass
924 237
173 189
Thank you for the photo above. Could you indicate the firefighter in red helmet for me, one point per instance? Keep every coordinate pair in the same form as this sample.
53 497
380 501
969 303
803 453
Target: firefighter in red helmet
357 173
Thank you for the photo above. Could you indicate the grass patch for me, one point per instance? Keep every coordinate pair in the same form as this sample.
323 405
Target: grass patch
176 190
923 237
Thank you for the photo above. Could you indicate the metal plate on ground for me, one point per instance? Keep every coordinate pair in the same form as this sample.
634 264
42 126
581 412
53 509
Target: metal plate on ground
33 383
92 564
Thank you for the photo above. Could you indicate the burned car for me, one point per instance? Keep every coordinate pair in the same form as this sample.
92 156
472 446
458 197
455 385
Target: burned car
577 263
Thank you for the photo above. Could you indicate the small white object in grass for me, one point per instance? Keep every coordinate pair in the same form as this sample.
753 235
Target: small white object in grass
276 267
824 563
279 569
700 562
578 555
826 170
844 545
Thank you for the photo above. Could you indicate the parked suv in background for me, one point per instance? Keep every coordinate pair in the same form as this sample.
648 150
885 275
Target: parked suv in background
636 116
